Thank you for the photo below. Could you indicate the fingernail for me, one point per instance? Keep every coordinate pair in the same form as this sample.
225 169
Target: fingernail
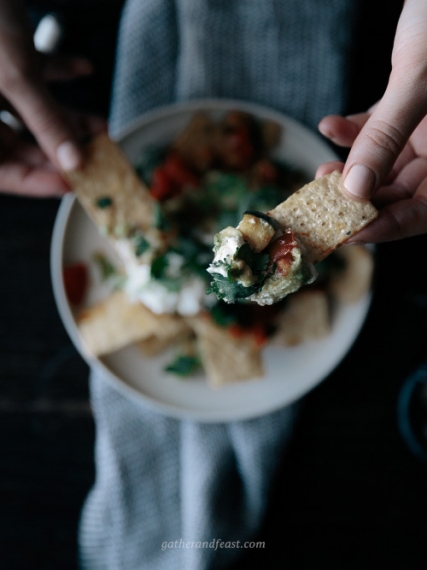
68 156
360 181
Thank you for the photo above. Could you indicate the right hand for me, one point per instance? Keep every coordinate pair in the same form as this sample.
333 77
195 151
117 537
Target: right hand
34 168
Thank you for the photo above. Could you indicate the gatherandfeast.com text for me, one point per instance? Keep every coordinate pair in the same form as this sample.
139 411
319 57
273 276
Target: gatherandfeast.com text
214 543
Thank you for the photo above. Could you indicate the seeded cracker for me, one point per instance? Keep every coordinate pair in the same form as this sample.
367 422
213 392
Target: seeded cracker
322 217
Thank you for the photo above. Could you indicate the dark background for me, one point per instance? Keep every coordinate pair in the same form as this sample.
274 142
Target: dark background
349 495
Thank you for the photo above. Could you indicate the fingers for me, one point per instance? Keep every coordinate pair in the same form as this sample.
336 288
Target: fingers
401 109
401 219
23 179
340 130
25 169
404 185
45 120
329 167
86 125
61 68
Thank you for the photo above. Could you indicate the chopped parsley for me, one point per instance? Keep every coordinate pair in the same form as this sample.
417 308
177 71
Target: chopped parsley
230 288
158 267
197 256
258 262
148 161
184 365
105 266
232 291
159 272
104 202
222 316
141 245
160 221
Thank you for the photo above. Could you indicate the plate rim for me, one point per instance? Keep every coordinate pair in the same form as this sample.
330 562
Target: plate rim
69 202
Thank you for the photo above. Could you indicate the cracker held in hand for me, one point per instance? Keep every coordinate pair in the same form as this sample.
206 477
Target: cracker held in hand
322 217
110 191
270 255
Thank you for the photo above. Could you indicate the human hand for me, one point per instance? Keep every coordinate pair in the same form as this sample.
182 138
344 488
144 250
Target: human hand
388 158
33 168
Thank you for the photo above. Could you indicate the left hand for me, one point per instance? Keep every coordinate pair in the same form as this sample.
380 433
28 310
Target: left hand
388 159
402 199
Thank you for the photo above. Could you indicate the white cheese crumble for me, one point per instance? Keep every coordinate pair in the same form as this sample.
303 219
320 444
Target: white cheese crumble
157 297
231 241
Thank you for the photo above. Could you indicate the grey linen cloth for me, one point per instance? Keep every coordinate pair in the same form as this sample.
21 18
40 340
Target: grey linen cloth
161 480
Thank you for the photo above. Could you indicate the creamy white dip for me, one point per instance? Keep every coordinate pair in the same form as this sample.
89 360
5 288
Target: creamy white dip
140 286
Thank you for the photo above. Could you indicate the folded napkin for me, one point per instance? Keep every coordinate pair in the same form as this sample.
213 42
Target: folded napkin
162 482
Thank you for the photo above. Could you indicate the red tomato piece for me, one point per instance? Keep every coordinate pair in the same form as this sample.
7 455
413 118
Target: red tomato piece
257 331
236 331
281 251
265 171
76 280
259 334
179 171
239 152
162 185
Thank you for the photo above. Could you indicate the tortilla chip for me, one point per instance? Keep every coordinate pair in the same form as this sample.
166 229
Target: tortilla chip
195 144
225 358
305 318
116 322
110 191
322 217
350 284
179 332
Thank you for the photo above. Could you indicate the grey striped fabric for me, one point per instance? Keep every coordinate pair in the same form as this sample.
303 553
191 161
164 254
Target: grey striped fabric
160 480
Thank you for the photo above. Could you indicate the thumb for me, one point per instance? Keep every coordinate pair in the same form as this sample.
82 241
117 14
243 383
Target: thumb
383 137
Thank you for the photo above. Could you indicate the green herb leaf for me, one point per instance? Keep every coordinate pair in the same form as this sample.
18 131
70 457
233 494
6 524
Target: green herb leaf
197 255
222 316
231 291
183 365
258 262
160 222
150 159
105 266
104 202
141 245
158 267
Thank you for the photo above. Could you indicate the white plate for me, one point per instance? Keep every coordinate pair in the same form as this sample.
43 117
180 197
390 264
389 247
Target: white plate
290 372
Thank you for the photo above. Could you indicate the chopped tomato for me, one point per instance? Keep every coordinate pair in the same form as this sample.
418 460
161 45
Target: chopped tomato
179 171
239 151
259 334
75 282
236 331
280 251
257 331
171 177
162 185
265 171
